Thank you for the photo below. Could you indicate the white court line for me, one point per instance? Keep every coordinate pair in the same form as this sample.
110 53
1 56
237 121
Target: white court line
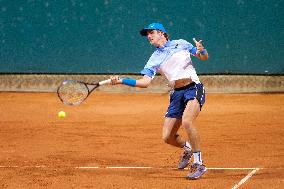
246 178
234 168
123 167
8 166
115 167
132 167
129 167
112 167
87 167
81 167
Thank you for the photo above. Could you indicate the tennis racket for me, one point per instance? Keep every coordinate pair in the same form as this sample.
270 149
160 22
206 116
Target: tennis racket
72 92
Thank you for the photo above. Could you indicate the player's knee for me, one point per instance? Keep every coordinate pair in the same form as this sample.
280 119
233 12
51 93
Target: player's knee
167 139
187 124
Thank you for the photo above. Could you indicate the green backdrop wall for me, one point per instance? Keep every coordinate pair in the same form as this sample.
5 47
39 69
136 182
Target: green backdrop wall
102 36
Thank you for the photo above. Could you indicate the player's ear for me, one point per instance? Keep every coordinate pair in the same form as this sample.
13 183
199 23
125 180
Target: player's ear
160 32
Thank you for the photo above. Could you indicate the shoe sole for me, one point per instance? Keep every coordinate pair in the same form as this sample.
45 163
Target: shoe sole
181 168
196 178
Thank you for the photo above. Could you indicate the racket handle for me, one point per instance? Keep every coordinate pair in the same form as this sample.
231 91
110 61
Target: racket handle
108 81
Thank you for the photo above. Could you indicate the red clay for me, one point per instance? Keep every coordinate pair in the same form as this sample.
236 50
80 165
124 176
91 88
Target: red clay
40 150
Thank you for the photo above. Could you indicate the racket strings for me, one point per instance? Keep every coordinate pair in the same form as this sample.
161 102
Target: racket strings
73 93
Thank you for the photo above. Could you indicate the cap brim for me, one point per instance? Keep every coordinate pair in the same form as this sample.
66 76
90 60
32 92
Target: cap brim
143 32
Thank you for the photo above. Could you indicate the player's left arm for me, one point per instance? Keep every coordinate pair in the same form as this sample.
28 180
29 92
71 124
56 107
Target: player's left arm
201 52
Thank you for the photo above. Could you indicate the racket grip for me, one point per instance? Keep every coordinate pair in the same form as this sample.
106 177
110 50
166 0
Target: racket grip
108 81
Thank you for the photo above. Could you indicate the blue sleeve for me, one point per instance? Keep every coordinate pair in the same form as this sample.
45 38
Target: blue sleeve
193 50
186 45
149 72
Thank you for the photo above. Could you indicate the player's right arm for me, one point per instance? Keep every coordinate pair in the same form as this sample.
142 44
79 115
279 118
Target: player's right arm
143 82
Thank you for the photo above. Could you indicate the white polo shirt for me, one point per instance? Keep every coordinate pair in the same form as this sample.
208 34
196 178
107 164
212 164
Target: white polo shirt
173 61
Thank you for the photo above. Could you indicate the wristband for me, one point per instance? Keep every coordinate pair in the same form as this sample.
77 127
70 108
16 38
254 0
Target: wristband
129 82
203 52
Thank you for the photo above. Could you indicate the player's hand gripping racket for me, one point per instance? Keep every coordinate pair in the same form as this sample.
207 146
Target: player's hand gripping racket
72 92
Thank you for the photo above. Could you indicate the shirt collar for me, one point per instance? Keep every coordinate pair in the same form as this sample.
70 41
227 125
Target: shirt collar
167 44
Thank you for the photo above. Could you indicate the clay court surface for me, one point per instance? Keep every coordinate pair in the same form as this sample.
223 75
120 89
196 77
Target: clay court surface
113 140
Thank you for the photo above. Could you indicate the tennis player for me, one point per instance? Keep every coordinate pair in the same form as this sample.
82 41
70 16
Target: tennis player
172 58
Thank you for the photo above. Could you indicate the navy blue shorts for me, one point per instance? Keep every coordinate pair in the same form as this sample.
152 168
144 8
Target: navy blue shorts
181 96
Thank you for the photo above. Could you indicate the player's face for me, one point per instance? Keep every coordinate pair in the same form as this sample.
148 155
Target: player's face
155 37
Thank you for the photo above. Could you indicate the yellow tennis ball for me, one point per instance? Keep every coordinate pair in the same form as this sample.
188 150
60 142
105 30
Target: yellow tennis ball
61 114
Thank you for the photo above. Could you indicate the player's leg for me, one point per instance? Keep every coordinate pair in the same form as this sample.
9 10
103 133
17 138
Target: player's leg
170 129
170 136
189 123
172 124
173 121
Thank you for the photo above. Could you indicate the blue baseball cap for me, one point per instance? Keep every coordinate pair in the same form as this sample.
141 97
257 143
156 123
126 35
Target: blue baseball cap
153 26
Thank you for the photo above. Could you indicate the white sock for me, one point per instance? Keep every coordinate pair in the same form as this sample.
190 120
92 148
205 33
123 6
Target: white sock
197 157
187 146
